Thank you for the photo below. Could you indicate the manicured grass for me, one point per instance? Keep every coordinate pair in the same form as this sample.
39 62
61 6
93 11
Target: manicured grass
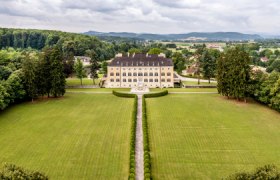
80 136
77 82
206 136
191 83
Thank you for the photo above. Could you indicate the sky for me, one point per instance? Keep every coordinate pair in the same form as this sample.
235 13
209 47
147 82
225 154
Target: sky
149 16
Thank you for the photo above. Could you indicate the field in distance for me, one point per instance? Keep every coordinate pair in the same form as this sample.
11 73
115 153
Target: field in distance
206 136
75 137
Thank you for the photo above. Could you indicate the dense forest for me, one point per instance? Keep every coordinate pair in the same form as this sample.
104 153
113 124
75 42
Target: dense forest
70 43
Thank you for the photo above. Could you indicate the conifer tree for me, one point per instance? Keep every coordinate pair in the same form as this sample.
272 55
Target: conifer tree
57 74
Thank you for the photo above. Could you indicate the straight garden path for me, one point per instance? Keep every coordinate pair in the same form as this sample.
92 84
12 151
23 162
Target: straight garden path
139 151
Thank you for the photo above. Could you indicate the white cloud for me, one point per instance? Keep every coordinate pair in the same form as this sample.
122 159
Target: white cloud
153 16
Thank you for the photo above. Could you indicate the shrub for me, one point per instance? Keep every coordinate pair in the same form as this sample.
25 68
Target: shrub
265 172
11 171
122 94
147 159
157 94
133 133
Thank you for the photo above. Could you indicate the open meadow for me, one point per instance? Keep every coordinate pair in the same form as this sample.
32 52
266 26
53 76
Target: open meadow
79 136
206 136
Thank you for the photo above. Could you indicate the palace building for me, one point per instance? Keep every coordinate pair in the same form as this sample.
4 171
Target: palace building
152 71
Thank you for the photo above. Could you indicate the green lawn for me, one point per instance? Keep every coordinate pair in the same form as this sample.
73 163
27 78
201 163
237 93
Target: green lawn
206 136
191 83
80 136
77 82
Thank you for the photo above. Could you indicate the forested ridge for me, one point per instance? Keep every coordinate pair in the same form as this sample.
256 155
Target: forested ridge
69 43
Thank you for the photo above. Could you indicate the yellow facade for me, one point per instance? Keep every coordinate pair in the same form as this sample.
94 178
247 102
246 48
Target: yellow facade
150 76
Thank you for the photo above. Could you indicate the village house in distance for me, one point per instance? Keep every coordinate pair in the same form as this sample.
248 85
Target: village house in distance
134 70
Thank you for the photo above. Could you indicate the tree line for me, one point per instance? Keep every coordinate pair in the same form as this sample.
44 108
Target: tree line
237 80
37 75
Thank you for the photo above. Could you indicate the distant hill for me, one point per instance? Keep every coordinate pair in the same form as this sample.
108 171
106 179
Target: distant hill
216 36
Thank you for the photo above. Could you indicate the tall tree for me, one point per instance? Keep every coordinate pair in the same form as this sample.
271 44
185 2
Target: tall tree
93 64
44 73
56 73
178 61
29 72
104 66
234 73
15 86
79 70
208 65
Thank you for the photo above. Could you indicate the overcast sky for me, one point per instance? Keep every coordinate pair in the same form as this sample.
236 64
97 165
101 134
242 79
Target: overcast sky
152 16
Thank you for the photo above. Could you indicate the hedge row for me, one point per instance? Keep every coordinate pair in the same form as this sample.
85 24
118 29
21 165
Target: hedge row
146 143
157 94
147 158
123 94
132 164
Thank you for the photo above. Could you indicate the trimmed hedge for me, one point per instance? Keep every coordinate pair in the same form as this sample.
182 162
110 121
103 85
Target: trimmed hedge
157 94
146 144
123 94
132 164
132 173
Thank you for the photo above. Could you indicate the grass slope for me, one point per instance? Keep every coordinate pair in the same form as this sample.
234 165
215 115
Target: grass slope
205 136
81 136
77 82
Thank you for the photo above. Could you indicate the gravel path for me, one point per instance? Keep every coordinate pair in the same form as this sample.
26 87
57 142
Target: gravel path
139 152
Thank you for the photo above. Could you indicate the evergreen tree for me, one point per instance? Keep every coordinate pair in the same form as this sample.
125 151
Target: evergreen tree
234 73
56 73
29 72
44 73
208 65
